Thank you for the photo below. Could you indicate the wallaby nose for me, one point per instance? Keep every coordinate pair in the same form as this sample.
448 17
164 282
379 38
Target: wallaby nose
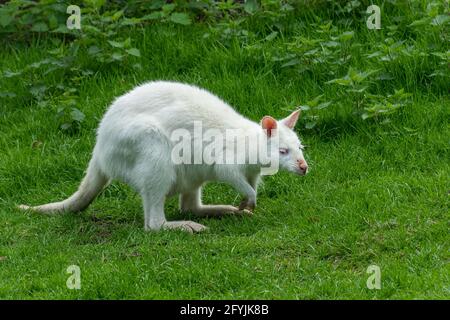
302 165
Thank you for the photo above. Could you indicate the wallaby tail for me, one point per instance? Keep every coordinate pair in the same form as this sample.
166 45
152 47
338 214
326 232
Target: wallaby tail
90 187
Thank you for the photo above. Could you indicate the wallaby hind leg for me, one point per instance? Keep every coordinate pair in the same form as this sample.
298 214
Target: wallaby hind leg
191 202
156 220
155 183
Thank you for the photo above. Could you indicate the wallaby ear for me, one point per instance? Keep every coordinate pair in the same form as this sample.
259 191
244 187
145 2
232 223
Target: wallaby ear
269 124
291 120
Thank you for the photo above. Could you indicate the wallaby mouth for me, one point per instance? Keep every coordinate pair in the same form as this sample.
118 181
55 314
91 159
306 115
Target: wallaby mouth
302 172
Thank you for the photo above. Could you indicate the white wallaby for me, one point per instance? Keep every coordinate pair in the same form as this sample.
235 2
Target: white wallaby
135 145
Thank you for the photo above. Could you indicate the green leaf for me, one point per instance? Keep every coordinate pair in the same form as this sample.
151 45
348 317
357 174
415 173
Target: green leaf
96 4
291 63
440 20
180 18
271 36
310 125
39 27
331 44
347 35
323 105
6 17
93 50
66 126
127 43
116 44
385 76
251 6
131 21
38 90
374 54
117 15
153 16
52 21
62 29
7 95
358 89
156 4
77 115
365 116
340 81
11 74
134 52
314 102
117 56
168 8
420 22
38 64
355 75
304 108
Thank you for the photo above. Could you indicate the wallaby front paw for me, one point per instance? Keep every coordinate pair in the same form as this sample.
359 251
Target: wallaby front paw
244 212
188 226
247 204
237 211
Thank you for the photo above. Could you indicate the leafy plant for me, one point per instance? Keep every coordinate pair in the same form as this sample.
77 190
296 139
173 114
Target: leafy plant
325 54
355 83
385 105
411 48
70 118
312 108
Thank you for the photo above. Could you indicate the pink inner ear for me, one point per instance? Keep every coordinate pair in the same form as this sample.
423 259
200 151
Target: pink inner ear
268 123
292 119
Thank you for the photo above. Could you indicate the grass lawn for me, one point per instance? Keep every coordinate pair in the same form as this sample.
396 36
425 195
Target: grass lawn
376 193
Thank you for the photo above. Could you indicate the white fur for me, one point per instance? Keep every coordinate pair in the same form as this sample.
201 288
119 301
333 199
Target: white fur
133 145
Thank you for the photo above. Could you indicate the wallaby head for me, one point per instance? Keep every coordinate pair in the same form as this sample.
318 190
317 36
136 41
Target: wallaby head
289 147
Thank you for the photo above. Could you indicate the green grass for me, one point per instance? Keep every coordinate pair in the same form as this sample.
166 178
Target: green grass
376 193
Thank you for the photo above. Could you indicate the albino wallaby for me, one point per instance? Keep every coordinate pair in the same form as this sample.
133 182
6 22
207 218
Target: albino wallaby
135 145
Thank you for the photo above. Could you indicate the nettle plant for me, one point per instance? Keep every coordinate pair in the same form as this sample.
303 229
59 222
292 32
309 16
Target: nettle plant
378 105
326 52
312 108
416 49
77 54
235 18
324 55
54 81
355 85
436 22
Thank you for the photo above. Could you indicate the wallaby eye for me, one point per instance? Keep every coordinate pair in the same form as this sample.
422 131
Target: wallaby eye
284 151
